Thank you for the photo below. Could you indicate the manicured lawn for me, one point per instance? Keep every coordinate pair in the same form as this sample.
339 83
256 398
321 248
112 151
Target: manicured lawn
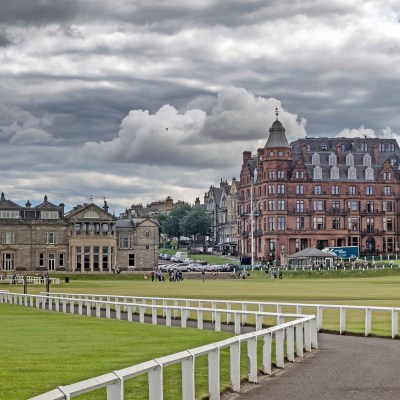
41 350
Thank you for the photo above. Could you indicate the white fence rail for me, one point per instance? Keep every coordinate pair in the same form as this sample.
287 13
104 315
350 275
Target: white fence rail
31 280
225 305
298 334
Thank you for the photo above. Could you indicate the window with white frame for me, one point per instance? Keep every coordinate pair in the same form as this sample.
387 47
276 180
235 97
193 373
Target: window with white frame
281 174
335 173
8 263
271 223
352 174
350 159
51 238
382 147
317 189
281 189
317 172
9 214
271 189
364 146
124 241
369 174
281 224
318 205
369 190
271 174
300 223
332 159
281 205
353 224
299 205
318 223
387 190
8 237
48 214
390 147
315 159
299 189
366 160
387 176
352 190
299 174
335 189
271 205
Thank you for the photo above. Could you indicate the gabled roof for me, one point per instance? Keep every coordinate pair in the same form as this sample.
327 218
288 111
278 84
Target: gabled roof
47 205
79 211
8 204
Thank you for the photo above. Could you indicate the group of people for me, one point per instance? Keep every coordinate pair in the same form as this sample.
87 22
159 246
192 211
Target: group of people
174 276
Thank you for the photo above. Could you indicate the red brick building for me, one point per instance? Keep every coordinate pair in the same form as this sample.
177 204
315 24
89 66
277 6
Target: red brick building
319 192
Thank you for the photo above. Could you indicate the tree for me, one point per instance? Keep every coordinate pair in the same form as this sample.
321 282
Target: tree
172 224
196 222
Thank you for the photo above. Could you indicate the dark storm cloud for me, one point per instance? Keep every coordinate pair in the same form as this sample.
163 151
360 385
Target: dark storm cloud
137 100
38 12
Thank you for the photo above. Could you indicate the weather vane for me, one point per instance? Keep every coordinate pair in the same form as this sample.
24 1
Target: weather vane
276 113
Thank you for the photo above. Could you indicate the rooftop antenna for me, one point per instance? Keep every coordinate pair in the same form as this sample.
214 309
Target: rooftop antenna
91 198
276 113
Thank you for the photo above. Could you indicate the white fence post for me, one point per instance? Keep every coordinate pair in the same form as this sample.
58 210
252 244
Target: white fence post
200 319
188 380
395 323
290 343
156 383
217 321
299 340
252 356
279 344
115 391
213 374
314 333
266 363
307 335
368 320
238 319
342 320
235 365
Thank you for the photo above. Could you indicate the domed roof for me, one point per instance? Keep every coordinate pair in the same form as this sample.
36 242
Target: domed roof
277 127
277 137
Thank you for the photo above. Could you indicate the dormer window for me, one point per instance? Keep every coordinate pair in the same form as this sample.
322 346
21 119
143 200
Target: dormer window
382 147
317 172
324 146
48 214
349 159
369 174
316 159
332 159
387 176
367 160
352 173
364 147
390 147
335 173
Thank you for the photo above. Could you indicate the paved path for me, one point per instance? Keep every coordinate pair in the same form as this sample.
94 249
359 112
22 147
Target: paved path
344 368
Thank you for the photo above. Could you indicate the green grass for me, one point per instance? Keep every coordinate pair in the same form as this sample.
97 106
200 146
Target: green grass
41 350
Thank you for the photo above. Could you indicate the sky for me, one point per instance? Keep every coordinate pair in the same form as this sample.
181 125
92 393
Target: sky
134 101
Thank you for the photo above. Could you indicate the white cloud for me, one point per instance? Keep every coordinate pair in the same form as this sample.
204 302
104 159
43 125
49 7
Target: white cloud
359 132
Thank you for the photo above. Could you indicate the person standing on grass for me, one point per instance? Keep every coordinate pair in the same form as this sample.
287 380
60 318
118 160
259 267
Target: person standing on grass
152 276
203 274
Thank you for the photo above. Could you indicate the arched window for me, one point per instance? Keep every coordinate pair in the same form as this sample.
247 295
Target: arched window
335 173
317 172
316 159
367 160
332 159
352 173
349 159
382 147
369 174
364 147
390 147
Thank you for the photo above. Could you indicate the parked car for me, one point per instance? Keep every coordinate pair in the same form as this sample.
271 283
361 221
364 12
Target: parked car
166 257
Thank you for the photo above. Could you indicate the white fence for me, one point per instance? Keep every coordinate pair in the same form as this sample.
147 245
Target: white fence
31 280
316 309
298 334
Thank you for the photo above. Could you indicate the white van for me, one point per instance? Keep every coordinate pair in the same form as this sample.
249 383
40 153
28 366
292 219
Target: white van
181 256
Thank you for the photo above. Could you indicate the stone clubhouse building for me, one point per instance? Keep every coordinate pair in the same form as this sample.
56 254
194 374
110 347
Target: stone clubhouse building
319 192
85 239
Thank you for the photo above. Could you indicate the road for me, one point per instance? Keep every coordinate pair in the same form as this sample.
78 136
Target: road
344 368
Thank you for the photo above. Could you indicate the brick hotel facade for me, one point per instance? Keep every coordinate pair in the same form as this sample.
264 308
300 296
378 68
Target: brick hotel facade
319 192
